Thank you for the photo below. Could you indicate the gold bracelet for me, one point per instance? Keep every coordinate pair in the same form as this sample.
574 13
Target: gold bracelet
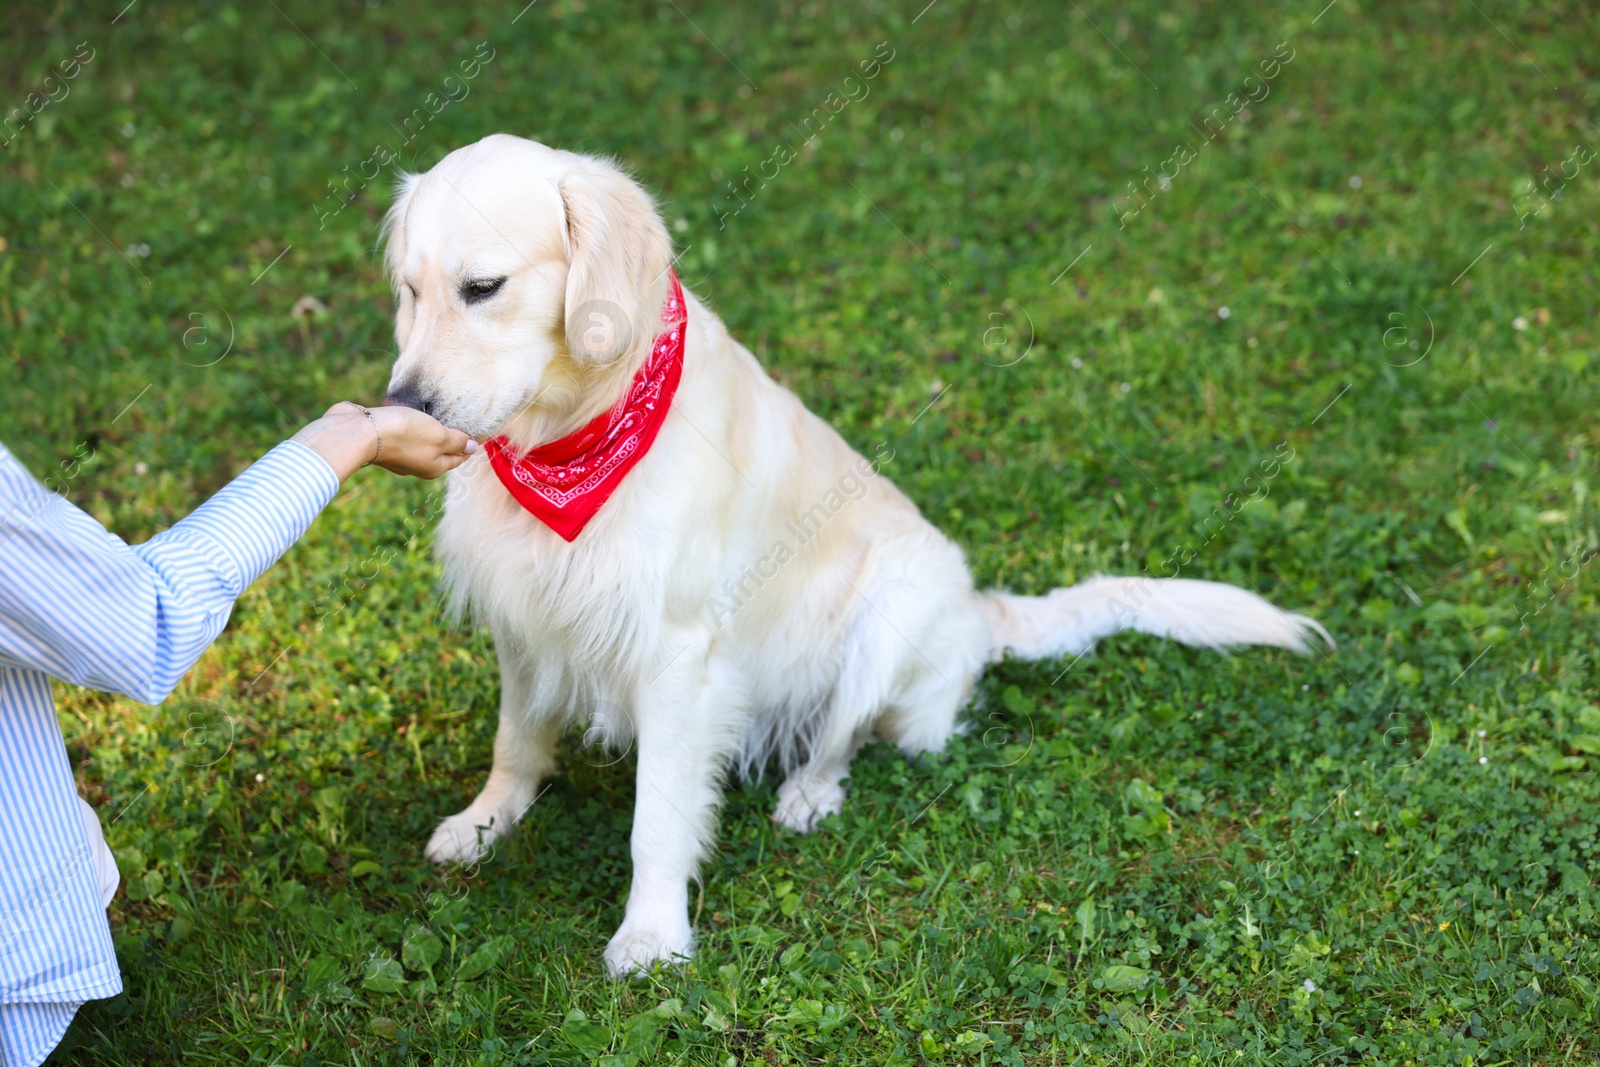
375 430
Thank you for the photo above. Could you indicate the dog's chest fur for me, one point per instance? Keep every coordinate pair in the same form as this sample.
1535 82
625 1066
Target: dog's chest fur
598 600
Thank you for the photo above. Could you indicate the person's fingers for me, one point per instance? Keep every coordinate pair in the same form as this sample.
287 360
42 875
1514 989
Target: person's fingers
454 442
458 443
416 444
444 463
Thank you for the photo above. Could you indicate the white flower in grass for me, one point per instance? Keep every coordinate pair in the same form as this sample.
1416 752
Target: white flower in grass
305 309
308 307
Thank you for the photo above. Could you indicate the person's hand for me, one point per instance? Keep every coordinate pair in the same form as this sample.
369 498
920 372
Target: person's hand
398 439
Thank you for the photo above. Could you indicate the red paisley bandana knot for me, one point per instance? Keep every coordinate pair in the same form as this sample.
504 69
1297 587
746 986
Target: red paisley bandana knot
564 483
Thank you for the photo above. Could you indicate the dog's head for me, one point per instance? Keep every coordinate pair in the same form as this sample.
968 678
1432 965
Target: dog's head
529 282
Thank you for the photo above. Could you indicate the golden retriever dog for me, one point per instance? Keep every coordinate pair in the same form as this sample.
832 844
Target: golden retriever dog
752 590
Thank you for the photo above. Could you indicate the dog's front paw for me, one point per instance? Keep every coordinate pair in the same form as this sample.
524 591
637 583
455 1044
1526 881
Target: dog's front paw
635 948
804 802
465 837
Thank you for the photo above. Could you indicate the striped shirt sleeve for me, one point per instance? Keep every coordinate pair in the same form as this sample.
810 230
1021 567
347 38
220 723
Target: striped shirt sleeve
79 604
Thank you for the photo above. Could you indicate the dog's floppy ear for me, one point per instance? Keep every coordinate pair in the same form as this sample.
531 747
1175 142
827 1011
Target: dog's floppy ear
618 252
394 219
392 231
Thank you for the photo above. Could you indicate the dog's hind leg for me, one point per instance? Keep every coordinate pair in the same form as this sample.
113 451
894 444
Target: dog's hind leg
907 669
815 790
938 673
524 752
921 716
686 719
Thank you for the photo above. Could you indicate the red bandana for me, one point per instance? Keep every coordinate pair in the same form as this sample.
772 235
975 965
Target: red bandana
564 483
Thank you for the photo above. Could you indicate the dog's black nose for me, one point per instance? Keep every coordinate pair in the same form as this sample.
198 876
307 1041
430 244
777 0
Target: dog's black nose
406 396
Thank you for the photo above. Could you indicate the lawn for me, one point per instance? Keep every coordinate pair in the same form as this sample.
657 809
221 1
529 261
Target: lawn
1300 300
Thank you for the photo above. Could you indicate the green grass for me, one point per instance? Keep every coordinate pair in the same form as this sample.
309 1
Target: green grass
1158 856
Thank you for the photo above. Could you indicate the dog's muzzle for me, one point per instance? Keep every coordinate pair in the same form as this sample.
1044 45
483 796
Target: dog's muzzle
407 396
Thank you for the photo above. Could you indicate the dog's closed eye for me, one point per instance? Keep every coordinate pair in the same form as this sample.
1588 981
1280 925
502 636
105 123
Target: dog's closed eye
476 291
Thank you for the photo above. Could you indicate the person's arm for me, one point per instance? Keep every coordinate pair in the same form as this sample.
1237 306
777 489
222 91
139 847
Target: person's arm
79 604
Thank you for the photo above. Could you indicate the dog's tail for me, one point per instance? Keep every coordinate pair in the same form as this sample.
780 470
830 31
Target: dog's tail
1204 614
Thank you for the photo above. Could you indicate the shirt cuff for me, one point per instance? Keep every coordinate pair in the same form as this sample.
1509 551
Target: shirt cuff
254 519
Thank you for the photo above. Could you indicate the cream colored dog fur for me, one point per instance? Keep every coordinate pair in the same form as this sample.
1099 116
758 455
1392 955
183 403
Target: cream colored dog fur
530 282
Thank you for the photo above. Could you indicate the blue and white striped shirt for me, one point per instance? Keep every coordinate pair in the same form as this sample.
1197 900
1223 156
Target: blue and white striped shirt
78 604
